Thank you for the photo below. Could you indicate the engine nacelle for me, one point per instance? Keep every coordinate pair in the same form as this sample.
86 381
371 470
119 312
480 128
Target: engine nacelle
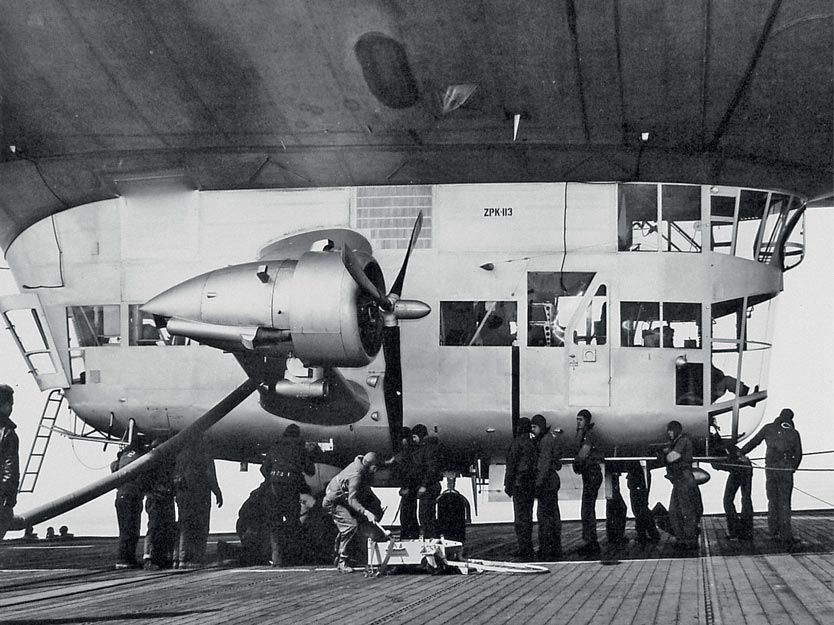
332 321
310 306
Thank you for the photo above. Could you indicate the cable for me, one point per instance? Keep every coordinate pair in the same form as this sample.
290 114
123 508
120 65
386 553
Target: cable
17 152
804 453
60 262
780 469
82 463
796 488
756 466
828 503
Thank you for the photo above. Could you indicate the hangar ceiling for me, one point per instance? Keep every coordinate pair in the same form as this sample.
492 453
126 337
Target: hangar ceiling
297 93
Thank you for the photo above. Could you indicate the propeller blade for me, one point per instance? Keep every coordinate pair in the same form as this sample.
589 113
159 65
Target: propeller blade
353 267
397 289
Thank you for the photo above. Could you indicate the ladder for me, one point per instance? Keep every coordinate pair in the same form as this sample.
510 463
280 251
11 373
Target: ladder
51 409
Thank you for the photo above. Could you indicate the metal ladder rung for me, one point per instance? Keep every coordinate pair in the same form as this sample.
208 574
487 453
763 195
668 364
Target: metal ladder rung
37 453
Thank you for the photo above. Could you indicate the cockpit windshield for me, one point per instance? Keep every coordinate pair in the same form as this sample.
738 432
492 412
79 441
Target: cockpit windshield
747 223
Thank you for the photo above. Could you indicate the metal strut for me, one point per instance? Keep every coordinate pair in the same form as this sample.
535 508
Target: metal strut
146 462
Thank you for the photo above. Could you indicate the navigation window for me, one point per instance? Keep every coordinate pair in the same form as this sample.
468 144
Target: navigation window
552 301
681 223
478 323
652 324
637 218
143 331
94 326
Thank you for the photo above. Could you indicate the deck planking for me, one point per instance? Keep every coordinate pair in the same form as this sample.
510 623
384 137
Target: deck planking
725 582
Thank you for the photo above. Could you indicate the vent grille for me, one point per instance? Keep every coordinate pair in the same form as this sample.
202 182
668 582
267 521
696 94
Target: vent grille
385 215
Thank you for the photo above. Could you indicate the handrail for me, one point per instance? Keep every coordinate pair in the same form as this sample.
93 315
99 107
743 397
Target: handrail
760 345
683 233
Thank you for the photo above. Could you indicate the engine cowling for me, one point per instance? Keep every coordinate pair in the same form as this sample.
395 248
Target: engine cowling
310 306
332 321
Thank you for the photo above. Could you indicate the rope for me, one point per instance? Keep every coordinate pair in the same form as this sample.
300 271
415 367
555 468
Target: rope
761 468
827 503
805 453
81 461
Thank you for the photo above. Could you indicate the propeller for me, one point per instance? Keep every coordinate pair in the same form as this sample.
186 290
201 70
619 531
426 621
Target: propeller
354 268
393 309
390 303
397 289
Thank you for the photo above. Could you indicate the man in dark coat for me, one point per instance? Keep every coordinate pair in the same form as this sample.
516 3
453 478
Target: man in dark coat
588 464
549 453
782 458
519 483
284 466
129 498
427 467
685 506
9 459
615 513
740 477
639 483
162 517
252 527
453 512
405 472
195 479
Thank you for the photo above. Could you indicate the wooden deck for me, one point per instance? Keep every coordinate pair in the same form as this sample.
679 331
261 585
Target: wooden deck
725 582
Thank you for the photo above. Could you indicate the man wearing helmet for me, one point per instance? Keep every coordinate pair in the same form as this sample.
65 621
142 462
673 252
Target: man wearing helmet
347 500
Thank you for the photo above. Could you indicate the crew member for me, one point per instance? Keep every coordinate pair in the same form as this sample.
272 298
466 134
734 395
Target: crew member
639 482
162 523
427 468
129 497
195 479
9 459
587 464
285 463
345 500
547 483
405 471
685 507
317 532
453 512
615 513
519 483
723 383
252 527
782 458
740 477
